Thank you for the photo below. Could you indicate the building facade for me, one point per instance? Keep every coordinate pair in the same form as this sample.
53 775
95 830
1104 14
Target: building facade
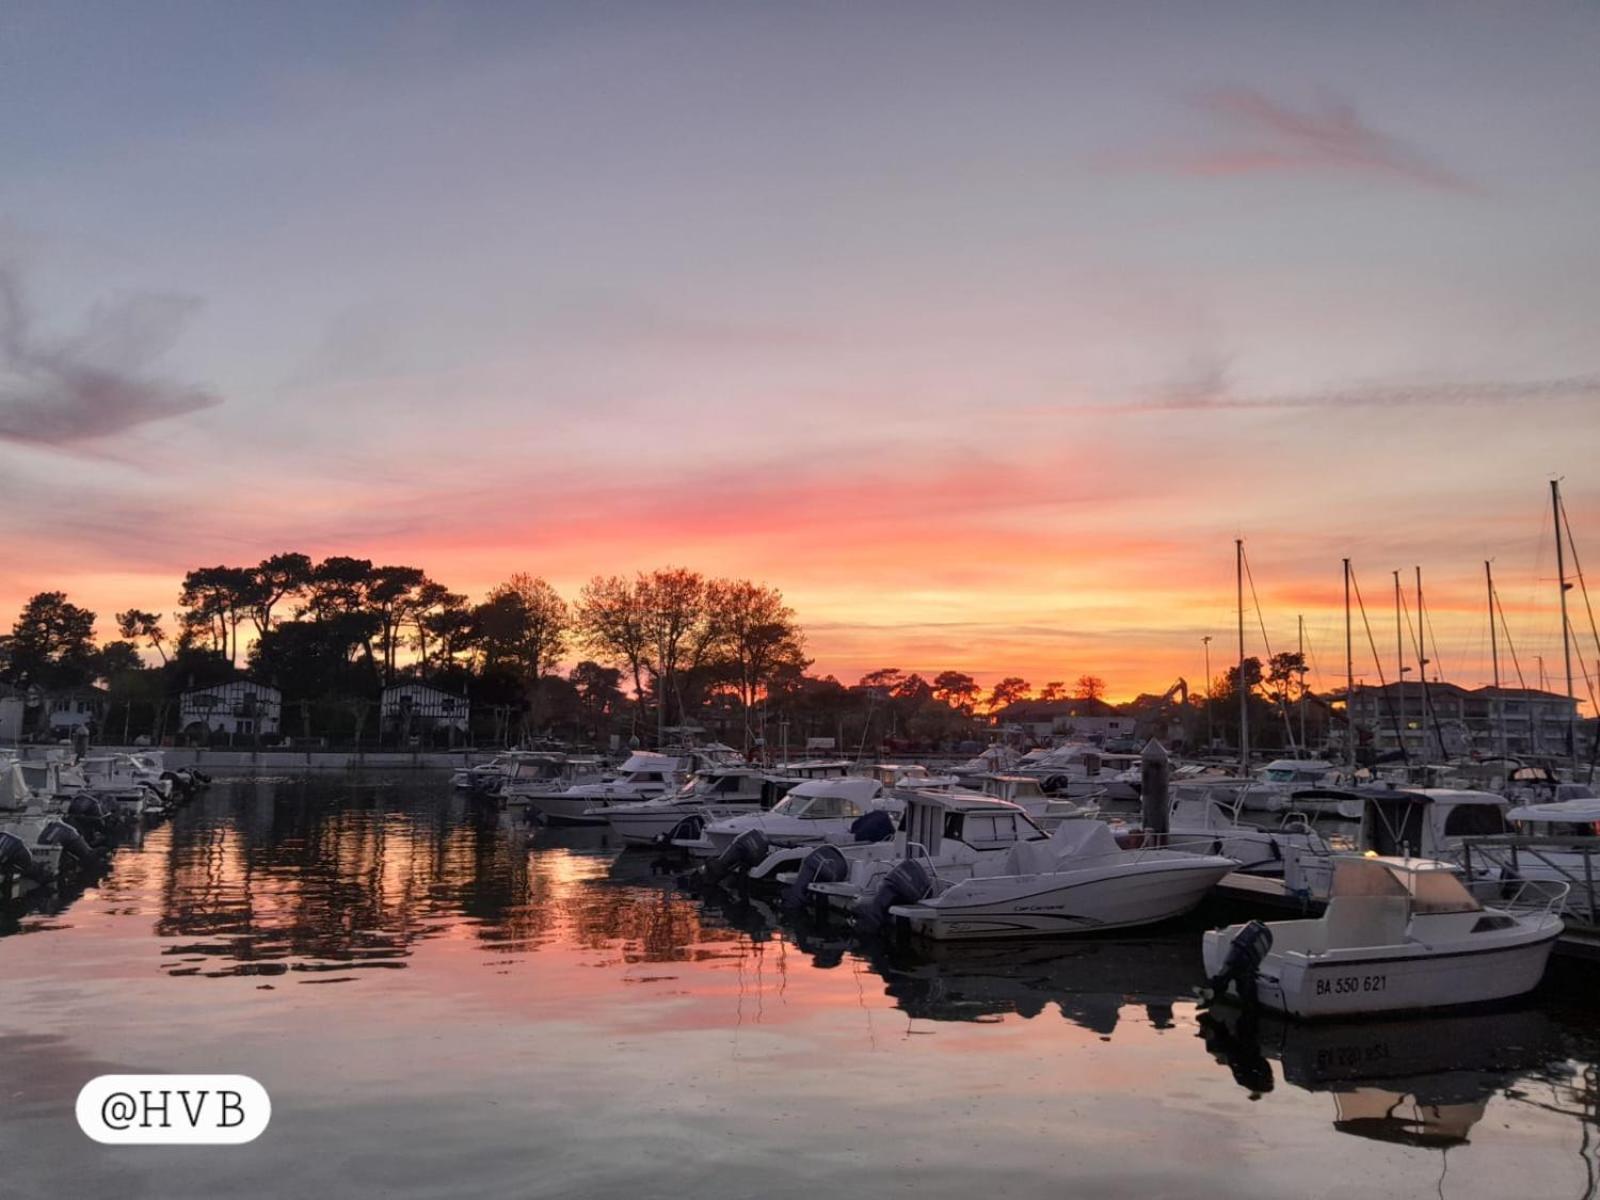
1443 719
411 709
239 707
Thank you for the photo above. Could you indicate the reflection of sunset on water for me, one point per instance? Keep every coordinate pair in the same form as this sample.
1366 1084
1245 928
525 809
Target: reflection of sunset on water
495 1003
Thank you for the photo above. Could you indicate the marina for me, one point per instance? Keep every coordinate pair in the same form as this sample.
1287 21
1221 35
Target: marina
430 991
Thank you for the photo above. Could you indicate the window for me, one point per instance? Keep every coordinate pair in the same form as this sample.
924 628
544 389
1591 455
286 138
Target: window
1472 820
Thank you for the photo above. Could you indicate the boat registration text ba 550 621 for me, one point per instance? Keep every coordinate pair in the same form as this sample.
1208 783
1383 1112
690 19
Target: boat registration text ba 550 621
1340 985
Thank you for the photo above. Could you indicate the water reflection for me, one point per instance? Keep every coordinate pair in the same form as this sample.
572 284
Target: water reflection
406 893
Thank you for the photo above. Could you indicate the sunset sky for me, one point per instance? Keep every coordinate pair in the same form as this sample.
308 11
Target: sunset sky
981 330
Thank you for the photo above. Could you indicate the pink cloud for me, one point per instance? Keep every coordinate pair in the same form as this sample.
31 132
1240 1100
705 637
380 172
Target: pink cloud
1263 136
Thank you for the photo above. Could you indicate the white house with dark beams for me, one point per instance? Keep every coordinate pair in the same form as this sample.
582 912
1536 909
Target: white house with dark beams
240 706
415 708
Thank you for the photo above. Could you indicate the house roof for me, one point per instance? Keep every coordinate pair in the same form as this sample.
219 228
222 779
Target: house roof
233 685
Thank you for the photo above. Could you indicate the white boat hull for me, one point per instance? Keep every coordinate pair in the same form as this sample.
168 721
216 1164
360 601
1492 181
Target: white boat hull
646 826
1072 901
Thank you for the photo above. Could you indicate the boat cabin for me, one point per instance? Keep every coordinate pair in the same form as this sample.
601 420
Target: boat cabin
1015 789
830 799
1428 822
933 818
813 768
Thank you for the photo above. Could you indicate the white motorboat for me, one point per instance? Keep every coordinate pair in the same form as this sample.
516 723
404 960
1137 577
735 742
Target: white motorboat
713 794
643 776
1077 880
1558 840
1207 813
531 778
959 828
1398 934
814 812
995 758
115 777
1080 768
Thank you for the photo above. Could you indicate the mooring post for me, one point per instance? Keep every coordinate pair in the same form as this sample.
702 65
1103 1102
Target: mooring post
1155 772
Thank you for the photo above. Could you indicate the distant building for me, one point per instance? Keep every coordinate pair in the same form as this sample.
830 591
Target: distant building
1085 720
240 706
13 707
76 708
1485 720
415 708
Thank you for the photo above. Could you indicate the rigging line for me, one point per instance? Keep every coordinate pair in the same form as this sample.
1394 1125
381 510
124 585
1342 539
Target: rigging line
1261 620
1388 701
1438 664
1506 629
1583 586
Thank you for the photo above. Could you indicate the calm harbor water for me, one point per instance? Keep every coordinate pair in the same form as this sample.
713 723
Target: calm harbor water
440 1006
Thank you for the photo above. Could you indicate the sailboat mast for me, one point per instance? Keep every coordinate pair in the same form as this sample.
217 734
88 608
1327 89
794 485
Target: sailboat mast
1244 687
1302 621
1561 580
1422 669
1400 670
1499 705
1349 680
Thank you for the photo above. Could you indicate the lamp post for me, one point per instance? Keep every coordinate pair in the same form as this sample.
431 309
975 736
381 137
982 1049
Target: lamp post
1211 739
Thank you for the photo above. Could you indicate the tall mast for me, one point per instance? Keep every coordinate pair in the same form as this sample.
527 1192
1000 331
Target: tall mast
1302 620
1244 687
1349 680
1498 706
1400 672
1422 669
1561 579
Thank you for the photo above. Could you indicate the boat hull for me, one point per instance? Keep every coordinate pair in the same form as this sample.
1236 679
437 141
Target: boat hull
1397 979
1080 901
645 827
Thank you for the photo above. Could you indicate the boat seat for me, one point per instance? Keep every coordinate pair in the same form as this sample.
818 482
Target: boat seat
1366 921
1031 858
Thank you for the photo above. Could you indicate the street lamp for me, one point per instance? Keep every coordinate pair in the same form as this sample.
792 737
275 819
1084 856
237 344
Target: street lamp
1211 739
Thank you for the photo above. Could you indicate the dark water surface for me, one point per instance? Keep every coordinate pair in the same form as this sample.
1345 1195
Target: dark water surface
439 1008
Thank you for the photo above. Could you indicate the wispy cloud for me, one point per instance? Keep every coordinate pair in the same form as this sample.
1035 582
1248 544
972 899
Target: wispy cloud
1216 394
65 393
1260 135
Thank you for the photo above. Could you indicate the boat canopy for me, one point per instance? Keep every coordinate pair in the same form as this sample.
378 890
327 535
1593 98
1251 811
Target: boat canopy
1575 812
1431 886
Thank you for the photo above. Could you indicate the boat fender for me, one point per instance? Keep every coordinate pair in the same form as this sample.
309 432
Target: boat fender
908 883
1250 945
874 826
746 850
825 864
59 833
17 859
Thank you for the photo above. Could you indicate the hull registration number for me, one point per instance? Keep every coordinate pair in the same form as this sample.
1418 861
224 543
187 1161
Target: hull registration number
1343 985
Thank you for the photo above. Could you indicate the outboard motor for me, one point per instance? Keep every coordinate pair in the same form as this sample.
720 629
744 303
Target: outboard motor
59 833
17 859
1250 946
908 883
874 826
749 848
85 814
825 864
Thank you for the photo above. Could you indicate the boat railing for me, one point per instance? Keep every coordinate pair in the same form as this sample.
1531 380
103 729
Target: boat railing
1571 862
1522 897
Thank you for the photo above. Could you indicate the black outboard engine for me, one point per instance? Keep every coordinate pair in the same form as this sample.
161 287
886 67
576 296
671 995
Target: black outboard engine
746 850
59 833
825 864
1249 947
874 826
17 860
84 813
908 883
